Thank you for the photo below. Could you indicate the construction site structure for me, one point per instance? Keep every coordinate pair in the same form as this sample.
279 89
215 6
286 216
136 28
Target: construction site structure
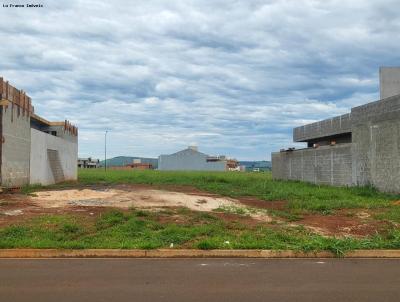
360 148
33 150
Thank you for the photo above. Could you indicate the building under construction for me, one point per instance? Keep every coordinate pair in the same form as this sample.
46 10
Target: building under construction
33 150
358 148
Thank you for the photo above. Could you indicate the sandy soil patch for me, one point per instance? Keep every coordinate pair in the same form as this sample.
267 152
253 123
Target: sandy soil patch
138 198
144 198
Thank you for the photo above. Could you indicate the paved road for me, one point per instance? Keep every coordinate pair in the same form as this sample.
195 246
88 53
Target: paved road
59 280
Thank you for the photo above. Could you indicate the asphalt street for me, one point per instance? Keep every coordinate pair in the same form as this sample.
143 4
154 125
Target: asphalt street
199 280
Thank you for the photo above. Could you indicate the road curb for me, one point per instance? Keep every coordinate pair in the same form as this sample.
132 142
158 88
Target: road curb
189 253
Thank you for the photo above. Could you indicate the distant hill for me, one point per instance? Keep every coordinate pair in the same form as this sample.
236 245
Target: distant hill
124 160
263 165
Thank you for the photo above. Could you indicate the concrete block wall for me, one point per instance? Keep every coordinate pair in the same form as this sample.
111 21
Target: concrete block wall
40 168
331 165
333 126
15 167
373 157
376 147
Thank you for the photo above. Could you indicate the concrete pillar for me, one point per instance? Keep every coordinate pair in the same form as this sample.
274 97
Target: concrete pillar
389 81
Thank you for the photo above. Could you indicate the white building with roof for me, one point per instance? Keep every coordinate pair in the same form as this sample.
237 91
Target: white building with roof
191 159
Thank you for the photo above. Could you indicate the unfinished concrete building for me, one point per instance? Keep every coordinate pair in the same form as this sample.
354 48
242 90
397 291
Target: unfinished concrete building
356 149
33 150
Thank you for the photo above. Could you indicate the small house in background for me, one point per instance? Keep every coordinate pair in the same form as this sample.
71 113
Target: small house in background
138 165
88 163
191 159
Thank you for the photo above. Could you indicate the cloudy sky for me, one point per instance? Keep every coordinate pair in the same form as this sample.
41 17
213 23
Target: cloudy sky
233 77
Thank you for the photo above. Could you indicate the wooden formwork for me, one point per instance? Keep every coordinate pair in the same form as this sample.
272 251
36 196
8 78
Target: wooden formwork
10 94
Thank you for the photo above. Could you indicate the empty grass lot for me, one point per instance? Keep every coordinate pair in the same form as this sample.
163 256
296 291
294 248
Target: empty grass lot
183 228
299 195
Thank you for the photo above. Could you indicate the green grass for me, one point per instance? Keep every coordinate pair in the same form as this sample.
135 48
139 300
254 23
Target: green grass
299 195
143 229
116 229
390 214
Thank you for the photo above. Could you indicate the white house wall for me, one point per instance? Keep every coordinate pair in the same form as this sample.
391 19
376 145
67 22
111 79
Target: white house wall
40 171
189 160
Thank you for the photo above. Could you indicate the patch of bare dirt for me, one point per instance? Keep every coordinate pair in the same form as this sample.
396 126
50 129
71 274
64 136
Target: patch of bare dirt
90 201
179 188
119 198
13 208
25 212
144 197
342 224
165 187
263 204
16 208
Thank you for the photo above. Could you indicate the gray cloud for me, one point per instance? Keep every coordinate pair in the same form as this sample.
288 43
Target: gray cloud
232 76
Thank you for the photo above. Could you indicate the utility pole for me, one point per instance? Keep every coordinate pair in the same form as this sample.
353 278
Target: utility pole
105 151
